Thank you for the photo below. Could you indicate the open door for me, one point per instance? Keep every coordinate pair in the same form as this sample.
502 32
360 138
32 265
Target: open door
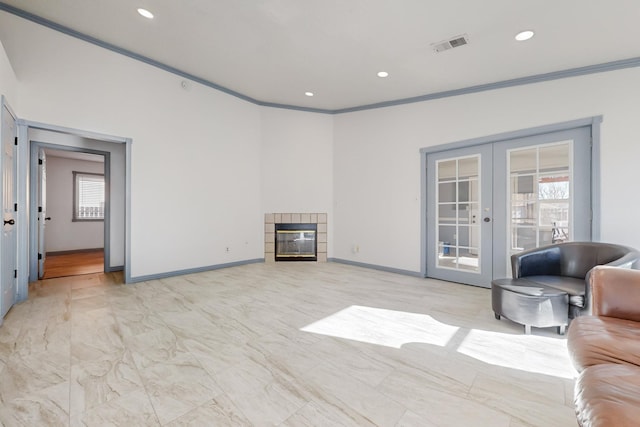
42 210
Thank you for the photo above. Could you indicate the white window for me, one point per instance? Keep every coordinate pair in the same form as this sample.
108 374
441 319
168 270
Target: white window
88 196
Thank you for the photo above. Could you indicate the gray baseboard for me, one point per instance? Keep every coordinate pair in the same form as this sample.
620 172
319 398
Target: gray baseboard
377 267
74 251
165 275
138 279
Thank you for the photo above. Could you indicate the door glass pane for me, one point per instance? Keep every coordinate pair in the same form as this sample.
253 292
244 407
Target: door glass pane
458 202
446 170
468 168
539 196
447 192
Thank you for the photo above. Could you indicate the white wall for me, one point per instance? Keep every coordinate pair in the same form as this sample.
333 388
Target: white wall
195 154
61 233
297 163
377 160
8 81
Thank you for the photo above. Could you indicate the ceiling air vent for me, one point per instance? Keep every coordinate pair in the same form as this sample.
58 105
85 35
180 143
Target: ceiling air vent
456 41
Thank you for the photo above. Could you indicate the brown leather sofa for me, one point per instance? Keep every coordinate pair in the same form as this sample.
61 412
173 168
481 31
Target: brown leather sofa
605 349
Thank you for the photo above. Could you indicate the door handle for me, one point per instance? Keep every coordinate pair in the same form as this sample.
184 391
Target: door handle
487 219
48 218
11 221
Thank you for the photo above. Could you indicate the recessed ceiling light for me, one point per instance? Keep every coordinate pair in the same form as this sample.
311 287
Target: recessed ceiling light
383 74
309 93
145 13
524 35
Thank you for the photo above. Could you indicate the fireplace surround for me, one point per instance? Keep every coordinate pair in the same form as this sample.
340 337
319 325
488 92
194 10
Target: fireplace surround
317 219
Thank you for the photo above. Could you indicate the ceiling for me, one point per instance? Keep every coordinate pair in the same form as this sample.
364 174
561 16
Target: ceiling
274 51
74 155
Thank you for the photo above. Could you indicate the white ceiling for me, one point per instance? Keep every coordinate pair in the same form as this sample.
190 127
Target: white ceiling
275 50
74 155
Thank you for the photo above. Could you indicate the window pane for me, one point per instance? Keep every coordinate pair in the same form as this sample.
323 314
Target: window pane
89 203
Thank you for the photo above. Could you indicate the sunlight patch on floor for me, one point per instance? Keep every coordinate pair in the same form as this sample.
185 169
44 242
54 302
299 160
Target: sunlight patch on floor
391 328
379 326
529 353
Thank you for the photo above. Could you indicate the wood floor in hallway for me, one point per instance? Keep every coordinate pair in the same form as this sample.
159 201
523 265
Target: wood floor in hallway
73 264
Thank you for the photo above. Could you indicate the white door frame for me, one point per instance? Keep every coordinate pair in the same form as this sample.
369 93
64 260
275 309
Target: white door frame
593 122
23 214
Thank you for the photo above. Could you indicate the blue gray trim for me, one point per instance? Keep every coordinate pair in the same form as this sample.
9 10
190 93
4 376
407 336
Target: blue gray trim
505 136
112 269
423 215
377 267
127 211
596 214
77 132
138 279
106 229
22 170
537 78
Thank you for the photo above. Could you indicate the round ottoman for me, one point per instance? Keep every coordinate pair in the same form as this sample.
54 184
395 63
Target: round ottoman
530 304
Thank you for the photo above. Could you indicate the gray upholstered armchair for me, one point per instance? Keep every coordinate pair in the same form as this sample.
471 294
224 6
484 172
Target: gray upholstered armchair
567 266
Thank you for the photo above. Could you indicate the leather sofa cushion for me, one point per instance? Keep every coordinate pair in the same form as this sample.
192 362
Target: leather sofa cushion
594 340
607 396
572 286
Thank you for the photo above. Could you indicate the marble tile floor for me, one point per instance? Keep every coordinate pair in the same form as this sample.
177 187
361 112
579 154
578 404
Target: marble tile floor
285 344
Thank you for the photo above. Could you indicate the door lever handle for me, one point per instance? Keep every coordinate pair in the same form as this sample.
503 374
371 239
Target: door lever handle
48 218
11 221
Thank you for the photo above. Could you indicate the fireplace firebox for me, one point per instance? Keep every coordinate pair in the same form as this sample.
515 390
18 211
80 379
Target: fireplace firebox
296 242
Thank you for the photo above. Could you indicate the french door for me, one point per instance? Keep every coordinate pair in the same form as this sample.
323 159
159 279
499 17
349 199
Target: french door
488 202
459 215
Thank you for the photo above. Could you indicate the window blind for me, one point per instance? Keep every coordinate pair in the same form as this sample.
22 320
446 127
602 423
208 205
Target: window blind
89 196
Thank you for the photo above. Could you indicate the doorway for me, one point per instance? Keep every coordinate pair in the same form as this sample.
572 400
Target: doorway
117 228
60 227
489 200
72 209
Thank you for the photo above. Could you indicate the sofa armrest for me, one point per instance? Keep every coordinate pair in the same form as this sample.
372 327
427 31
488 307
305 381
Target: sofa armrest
543 261
615 292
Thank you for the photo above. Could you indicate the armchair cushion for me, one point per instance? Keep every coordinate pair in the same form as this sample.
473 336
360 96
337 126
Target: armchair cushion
572 286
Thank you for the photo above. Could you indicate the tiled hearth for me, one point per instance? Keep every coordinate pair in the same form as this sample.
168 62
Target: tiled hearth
271 219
